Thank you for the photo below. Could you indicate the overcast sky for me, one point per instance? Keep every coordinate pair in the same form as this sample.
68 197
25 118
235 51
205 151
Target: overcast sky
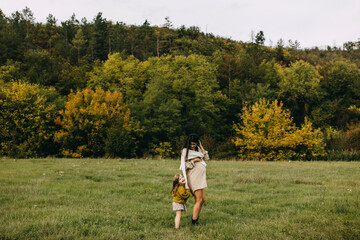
311 22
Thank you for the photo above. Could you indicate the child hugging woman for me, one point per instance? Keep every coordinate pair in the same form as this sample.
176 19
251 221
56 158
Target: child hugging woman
180 195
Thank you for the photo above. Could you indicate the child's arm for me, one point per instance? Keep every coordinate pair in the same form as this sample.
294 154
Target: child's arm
184 192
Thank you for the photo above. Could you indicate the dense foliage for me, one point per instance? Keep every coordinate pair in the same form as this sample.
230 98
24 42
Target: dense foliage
87 117
96 88
268 133
26 121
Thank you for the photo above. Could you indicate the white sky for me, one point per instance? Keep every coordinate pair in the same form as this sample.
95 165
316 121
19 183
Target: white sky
311 22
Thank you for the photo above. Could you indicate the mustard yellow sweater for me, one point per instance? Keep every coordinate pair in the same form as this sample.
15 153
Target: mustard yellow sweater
181 195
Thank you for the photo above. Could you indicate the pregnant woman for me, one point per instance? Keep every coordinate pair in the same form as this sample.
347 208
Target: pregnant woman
193 167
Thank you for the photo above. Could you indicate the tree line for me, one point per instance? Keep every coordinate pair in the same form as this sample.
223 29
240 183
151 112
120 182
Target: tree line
98 88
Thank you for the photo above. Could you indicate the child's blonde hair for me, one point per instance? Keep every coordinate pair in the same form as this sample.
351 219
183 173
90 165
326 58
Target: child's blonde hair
175 184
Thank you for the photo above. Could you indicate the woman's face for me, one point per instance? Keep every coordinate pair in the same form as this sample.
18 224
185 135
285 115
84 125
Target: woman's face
193 145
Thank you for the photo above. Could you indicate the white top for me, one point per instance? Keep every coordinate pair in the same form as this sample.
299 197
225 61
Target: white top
191 155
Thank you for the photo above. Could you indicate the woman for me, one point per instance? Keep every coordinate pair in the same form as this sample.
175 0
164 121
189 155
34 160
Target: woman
193 167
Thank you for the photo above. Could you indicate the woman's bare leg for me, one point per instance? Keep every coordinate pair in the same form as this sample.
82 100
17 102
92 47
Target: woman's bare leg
199 201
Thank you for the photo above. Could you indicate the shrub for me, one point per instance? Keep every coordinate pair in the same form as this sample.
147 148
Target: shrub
340 140
26 121
343 155
353 137
268 133
335 140
86 119
164 150
224 150
311 142
122 142
179 144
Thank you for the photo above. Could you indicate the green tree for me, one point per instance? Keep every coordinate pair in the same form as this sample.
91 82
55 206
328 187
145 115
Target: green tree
341 83
228 68
26 121
181 97
3 40
79 42
41 68
100 37
299 88
118 33
123 142
349 46
128 76
260 38
69 28
148 41
51 30
13 36
28 18
270 73
72 77
10 71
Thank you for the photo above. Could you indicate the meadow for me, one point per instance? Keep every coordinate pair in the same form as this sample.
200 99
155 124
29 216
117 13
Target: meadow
130 199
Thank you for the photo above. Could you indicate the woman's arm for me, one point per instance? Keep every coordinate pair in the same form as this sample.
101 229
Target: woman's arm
206 155
186 181
202 148
182 166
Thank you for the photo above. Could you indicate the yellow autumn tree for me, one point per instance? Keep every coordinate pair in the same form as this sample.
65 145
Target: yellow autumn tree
26 121
268 133
86 119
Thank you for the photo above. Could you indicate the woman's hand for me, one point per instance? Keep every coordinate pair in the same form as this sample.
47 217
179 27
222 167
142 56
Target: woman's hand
201 147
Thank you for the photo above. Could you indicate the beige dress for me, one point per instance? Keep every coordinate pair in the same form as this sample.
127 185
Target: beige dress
197 176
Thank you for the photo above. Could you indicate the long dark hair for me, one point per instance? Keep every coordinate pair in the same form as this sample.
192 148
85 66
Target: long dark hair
175 184
192 138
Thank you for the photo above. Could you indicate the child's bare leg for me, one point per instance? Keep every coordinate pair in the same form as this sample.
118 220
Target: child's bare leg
177 219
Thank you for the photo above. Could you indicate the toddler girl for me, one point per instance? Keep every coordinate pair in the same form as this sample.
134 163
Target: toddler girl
180 195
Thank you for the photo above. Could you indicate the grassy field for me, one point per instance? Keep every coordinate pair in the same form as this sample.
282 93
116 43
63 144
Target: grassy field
130 199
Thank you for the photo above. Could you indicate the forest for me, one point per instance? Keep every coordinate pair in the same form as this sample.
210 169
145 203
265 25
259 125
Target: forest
98 88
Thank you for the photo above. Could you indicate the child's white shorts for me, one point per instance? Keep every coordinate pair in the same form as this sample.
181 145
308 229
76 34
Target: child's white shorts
179 207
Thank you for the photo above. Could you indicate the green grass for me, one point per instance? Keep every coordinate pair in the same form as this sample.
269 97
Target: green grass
130 199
